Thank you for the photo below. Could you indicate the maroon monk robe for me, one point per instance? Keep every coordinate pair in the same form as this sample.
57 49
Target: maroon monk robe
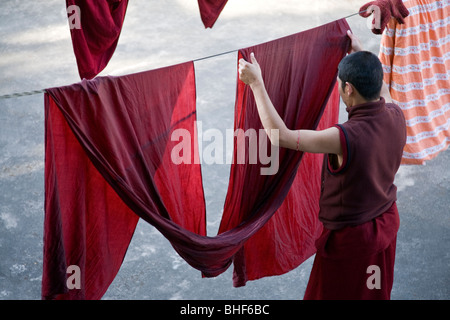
120 127
299 73
210 11
123 127
95 28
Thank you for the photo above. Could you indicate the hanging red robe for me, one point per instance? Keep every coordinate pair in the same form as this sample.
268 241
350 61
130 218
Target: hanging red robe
95 28
299 73
108 139
108 162
210 11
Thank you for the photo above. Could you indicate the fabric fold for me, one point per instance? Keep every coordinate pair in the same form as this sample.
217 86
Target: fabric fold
299 73
95 28
113 156
108 162
210 11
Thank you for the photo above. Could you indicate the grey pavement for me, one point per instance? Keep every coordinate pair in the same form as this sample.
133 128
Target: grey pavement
36 53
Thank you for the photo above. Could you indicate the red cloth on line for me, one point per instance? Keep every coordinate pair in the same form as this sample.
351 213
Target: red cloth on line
95 40
114 126
95 28
287 239
299 83
123 132
341 265
210 11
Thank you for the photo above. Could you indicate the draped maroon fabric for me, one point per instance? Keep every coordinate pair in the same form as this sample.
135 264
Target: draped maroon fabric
288 238
95 28
110 132
109 160
299 74
210 11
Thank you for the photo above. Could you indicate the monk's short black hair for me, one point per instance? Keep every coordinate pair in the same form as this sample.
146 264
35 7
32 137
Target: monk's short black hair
364 71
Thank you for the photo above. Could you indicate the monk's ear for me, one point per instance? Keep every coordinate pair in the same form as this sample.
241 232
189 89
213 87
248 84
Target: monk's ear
349 89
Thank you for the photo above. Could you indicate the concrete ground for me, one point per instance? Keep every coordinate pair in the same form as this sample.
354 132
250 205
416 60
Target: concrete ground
36 53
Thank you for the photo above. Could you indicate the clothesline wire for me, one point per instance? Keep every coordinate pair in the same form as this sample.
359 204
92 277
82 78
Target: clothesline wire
33 92
231 51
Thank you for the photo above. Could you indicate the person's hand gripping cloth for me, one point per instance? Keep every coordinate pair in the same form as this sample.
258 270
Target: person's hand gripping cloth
383 10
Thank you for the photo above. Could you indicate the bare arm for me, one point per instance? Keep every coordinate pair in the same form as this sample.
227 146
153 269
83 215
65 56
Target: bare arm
325 141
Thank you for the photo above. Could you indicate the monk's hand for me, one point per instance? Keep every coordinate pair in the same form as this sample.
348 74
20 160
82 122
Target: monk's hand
250 72
356 43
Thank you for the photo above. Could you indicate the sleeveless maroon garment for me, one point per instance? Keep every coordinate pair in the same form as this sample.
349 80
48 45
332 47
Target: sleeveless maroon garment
356 251
363 188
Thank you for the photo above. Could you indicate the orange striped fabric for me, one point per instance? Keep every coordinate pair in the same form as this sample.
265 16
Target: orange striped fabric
416 64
